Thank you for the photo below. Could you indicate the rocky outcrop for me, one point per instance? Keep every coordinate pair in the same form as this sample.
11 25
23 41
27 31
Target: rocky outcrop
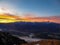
7 39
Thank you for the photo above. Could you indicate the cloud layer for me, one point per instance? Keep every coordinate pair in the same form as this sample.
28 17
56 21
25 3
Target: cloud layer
7 18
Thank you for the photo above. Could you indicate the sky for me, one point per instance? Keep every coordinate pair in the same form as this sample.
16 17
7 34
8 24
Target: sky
37 7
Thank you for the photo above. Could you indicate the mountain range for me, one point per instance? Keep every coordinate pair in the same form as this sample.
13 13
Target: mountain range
26 25
31 27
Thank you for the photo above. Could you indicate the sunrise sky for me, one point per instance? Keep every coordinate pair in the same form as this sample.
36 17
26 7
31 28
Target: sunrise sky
37 7
29 11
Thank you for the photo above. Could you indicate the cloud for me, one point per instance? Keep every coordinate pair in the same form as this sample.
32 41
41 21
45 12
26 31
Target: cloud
43 19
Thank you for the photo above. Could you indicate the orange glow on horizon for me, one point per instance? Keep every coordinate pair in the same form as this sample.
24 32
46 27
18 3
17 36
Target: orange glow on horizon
7 18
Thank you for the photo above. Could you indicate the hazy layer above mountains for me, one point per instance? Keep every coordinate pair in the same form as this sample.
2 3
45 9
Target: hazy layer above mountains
9 18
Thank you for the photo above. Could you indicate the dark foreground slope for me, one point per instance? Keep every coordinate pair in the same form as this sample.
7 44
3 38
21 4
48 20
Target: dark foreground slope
7 39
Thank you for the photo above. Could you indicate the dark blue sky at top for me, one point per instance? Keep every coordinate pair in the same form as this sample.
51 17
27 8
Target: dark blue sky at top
38 7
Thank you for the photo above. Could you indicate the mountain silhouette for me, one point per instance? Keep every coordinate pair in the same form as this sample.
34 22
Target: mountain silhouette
31 27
